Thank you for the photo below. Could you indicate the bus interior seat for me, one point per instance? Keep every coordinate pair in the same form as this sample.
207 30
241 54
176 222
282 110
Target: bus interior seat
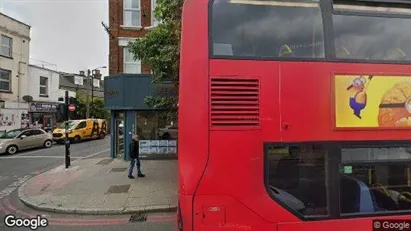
222 49
285 51
404 202
288 172
395 54
343 52
383 200
355 196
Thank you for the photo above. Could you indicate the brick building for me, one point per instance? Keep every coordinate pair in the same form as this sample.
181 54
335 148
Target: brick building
128 20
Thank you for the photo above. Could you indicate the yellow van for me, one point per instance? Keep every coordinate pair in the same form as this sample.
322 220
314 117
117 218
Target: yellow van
79 130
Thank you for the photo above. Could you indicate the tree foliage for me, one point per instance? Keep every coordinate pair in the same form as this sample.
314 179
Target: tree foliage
160 49
97 109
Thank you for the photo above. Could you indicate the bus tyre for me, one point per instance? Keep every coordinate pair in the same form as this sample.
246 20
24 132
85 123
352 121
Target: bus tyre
11 150
48 143
102 135
77 139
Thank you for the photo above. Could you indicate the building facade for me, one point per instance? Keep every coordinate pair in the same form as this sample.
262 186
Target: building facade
80 83
44 88
130 81
128 21
14 59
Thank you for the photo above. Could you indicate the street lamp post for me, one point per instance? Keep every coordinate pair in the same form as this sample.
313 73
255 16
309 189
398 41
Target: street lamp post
90 75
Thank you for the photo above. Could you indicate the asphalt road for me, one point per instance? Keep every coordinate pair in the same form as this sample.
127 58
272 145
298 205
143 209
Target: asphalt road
16 169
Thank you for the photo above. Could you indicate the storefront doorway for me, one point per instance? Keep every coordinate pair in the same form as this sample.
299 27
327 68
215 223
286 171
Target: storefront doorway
119 136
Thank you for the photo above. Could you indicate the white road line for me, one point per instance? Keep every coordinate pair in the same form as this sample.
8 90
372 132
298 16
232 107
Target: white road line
95 154
13 186
36 157
37 151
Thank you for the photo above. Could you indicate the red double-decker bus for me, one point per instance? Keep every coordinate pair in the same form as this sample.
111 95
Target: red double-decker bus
294 115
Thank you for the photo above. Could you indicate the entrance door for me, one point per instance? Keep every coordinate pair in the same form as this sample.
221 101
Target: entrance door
120 135
48 122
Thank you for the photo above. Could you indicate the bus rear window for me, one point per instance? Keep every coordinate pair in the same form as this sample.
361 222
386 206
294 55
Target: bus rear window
251 28
381 33
366 180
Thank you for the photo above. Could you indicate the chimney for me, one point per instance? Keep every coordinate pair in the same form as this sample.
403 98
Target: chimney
97 75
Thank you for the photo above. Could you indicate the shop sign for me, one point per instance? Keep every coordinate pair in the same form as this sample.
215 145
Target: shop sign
158 146
42 107
111 93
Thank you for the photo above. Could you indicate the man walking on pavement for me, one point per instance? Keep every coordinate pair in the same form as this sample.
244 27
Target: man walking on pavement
134 156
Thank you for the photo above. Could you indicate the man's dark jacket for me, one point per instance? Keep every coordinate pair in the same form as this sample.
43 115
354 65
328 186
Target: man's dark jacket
134 149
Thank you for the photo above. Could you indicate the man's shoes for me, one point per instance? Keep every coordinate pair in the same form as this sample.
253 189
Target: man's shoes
141 175
131 177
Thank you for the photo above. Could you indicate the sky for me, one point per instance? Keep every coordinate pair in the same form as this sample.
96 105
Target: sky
66 35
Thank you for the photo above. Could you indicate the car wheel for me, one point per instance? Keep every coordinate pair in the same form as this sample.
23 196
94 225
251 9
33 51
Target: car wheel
48 143
77 139
11 150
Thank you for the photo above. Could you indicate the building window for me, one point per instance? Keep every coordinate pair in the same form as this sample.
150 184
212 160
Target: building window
5 80
43 86
154 20
131 66
6 46
132 13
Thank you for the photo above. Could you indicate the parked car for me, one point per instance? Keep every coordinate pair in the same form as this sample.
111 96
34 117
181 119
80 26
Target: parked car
17 140
170 132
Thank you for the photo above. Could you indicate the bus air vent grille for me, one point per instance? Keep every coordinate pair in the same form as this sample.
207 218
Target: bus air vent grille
235 102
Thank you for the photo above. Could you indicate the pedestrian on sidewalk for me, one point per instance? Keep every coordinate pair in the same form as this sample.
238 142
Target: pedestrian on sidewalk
135 157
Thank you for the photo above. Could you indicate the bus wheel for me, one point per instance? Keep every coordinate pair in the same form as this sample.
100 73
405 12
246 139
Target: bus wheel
77 139
102 135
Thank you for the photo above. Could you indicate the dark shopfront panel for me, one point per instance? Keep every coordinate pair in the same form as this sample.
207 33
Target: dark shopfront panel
43 115
124 97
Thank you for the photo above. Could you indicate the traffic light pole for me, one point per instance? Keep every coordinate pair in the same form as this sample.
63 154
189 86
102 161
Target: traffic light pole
67 141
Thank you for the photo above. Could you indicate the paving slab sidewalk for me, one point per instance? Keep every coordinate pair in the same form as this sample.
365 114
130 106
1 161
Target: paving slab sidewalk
100 187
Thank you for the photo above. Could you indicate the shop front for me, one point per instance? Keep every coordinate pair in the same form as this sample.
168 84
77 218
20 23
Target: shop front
124 97
43 115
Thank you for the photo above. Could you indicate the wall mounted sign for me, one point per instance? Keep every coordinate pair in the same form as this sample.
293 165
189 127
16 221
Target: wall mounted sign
111 93
158 146
42 107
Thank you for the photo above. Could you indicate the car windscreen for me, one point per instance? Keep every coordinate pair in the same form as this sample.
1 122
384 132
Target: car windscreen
10 134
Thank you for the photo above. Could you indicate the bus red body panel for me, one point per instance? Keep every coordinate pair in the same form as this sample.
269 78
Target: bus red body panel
240 177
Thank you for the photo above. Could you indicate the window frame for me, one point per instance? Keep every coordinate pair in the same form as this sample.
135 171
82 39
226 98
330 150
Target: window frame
10 47
9 81
154 20
78 126
327 14
46 87
136 62
125 9
332 171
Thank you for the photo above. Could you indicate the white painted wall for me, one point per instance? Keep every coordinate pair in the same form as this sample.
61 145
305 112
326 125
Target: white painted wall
53 91
10 115
18 65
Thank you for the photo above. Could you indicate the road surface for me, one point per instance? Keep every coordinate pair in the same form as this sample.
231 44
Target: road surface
16 169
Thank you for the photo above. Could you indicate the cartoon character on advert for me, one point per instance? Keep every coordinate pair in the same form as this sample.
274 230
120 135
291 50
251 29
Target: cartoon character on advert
359 100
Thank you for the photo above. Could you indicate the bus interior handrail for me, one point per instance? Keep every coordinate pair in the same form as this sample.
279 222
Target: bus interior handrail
372 9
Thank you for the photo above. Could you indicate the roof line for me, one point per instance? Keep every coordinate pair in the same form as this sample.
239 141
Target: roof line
47 69
15 20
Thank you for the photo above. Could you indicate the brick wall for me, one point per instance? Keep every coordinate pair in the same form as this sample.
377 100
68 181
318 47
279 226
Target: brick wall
115 22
